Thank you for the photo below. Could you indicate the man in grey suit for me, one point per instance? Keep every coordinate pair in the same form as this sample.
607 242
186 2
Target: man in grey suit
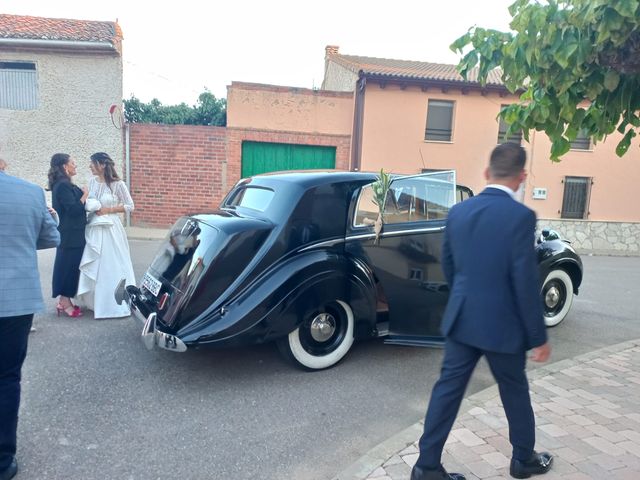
26 225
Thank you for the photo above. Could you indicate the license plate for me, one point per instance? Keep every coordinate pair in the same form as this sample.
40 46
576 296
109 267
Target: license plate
151 283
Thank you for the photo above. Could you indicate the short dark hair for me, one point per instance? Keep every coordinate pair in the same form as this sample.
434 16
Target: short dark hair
507 160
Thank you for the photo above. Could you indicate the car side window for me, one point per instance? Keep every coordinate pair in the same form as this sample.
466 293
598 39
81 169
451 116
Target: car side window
414 199
366 209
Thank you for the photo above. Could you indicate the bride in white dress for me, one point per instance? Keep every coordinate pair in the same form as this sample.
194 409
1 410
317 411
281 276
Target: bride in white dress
106 258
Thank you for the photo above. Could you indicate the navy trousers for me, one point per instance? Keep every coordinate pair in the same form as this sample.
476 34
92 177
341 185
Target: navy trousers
457 366
14 334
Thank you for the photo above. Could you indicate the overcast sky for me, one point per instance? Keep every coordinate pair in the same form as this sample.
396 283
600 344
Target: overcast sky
173 50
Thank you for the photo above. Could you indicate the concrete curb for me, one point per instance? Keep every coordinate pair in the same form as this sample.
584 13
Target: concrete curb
140 233
378 455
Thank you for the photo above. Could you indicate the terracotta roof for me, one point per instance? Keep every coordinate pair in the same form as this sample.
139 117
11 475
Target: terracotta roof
39 28
409 70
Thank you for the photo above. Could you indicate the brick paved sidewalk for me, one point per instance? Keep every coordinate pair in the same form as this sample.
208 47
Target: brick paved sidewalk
587 416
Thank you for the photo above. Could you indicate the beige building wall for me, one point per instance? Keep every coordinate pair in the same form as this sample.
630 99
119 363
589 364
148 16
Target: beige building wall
393 139
614 193
289 109
75 92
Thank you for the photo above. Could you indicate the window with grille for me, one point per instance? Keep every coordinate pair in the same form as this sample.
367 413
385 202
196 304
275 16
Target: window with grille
575 203
18 86
582 142
515 137
439 121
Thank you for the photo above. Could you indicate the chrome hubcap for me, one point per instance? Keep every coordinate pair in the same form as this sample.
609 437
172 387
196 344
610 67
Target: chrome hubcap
323 327
552 297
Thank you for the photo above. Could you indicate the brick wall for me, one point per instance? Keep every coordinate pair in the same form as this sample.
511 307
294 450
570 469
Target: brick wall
175 169
181 169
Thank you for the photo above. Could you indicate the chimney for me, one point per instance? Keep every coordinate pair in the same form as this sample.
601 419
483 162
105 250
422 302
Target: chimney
331 50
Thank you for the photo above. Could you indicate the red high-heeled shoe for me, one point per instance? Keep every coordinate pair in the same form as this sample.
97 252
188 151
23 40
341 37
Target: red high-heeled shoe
75 312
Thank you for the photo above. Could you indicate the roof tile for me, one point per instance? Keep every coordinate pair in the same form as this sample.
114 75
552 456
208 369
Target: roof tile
40 28
409 69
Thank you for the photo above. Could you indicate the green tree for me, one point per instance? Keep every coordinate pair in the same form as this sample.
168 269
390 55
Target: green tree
559 55
208 110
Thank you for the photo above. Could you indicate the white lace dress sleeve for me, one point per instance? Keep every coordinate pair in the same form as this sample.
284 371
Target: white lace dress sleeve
124 198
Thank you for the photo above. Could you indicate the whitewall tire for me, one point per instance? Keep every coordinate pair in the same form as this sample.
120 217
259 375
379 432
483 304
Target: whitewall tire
557 297
323 338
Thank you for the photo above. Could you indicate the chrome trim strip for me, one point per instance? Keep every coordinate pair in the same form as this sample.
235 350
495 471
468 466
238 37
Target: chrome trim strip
396 233
327 243
336 241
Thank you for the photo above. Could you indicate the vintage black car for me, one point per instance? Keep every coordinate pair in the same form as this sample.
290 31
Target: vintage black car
294 258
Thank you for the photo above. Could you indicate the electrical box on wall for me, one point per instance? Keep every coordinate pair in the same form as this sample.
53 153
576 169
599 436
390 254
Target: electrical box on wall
539 193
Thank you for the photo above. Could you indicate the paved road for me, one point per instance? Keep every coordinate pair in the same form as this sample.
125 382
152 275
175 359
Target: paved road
97 405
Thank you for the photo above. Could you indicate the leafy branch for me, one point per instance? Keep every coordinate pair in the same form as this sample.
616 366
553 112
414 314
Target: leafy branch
576 64
380 189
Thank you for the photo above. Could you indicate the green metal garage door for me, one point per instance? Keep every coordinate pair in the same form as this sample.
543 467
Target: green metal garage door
262 157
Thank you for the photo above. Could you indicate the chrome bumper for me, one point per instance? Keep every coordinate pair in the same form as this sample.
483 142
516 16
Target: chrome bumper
151 336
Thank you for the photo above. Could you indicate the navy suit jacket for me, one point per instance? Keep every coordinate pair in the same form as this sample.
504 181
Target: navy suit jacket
490 263
25 226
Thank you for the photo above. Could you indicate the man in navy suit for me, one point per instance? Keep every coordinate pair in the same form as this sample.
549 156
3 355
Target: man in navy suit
494 310
25 226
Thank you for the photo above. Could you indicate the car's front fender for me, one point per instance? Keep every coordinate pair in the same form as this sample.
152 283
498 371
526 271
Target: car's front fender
554 254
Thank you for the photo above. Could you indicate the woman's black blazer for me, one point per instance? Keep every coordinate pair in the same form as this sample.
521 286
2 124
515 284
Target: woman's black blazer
73 218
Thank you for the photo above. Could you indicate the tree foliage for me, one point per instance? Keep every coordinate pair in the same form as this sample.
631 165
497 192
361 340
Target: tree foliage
208 110
576 64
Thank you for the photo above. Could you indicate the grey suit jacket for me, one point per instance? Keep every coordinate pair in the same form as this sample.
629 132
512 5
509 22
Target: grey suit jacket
25 226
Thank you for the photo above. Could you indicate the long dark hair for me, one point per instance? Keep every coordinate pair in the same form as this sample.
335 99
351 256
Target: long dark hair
110 174
56 169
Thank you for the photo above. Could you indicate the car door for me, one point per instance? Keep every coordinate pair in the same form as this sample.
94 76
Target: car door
406 256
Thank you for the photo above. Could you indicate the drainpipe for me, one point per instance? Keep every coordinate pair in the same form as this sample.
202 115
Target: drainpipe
127 166
358 117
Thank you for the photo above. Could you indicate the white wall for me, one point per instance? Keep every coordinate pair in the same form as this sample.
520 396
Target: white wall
75 91
338 78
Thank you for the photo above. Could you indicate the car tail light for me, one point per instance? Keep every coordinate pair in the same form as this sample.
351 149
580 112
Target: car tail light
163 301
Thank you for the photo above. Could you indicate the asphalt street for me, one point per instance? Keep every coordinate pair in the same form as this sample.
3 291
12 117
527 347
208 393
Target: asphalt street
98 405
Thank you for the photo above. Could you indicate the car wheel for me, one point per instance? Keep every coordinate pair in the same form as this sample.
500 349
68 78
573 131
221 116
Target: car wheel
557 296
322 339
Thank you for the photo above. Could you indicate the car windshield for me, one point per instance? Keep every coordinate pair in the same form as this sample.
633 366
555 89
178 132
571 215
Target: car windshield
255 198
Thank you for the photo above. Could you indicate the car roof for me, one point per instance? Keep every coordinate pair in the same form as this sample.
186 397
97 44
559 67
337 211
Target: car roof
306 179
311 178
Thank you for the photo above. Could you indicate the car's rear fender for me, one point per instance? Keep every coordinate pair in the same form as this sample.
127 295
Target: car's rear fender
270 306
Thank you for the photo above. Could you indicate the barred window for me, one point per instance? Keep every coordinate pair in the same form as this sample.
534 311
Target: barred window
18 86
503 126
575 203
439 121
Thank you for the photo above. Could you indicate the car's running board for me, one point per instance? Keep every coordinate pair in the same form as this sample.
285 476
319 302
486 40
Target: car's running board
415 341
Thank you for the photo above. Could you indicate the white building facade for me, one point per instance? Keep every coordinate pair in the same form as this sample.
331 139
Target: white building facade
58 82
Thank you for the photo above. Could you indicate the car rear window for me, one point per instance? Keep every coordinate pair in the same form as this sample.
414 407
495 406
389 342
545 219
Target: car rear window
255 198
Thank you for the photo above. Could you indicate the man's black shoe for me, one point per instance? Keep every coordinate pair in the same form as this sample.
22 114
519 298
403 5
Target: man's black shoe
538 464
439 474
10 471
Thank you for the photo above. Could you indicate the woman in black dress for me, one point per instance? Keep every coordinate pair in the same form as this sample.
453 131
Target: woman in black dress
68 201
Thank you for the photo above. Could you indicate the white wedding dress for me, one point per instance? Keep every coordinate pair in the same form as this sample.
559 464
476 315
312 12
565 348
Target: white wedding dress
106 259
